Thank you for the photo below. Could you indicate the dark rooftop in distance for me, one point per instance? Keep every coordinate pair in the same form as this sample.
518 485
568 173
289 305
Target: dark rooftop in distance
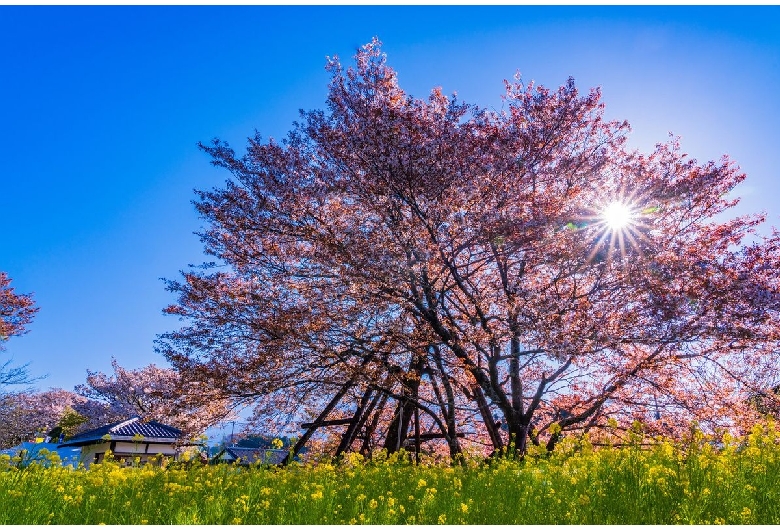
250 455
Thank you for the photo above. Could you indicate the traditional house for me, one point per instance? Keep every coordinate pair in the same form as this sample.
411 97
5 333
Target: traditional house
128 440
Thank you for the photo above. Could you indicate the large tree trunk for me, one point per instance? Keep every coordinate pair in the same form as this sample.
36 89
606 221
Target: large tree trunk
518 435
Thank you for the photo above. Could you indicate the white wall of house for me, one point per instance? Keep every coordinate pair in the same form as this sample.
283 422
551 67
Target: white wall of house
94 453
138 448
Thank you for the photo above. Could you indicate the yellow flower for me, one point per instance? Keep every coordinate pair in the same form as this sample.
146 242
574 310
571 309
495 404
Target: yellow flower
443 519
316 496
373 504
421 483
464 507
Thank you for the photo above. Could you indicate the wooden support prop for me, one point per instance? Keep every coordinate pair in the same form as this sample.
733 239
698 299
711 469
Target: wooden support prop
365 448
417 435
310 430
487 418
433 436
358 419
326 423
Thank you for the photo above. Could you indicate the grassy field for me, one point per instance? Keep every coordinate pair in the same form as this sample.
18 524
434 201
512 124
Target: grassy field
662 484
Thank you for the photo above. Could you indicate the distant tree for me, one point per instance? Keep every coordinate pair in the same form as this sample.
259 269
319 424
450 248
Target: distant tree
766 402
14 427
151 393
26 413
16 313
70 423
16 310
403 269
14 375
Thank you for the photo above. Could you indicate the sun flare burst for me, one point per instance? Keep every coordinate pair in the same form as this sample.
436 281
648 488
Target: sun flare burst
617 216
620 227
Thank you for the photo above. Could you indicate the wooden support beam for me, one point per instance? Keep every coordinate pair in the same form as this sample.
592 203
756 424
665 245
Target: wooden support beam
326 423
324 414
417 435
365 448
432 436
358 419
487 418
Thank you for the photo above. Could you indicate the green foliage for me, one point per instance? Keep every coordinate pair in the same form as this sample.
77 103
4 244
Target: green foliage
699 481
69 423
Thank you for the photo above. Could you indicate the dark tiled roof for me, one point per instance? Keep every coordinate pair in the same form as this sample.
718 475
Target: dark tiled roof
125 430
250 455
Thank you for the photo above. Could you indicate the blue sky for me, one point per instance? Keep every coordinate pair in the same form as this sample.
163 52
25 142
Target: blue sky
101 109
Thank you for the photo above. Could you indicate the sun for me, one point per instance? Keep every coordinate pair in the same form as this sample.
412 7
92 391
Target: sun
620 227
617 216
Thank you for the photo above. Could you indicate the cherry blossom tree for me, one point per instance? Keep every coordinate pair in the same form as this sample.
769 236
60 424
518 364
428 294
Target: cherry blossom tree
410 270
16 313
25 414
152 393
16 310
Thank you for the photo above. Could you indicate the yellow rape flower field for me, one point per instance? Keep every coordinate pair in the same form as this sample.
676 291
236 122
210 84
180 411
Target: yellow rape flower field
731 481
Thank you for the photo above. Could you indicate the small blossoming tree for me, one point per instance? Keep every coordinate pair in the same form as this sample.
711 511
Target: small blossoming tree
152 393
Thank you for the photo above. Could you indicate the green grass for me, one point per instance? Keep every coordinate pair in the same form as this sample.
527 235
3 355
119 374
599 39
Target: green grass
663 484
